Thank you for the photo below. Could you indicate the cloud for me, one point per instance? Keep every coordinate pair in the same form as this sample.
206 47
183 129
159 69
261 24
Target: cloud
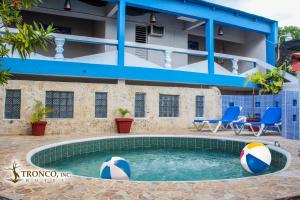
284 11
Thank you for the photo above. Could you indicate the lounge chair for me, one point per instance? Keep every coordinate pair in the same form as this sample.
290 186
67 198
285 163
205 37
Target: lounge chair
230 115
271 118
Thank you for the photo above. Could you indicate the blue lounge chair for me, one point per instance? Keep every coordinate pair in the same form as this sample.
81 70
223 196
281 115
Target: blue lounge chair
271 118
230 115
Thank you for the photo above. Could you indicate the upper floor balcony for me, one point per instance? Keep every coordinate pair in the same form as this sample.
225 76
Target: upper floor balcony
115 40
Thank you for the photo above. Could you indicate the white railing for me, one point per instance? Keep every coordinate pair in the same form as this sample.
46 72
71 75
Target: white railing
61 39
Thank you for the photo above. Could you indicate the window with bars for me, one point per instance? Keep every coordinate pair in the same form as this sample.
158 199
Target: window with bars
139 105
199 106
141 37
12 104
168 105
101 105
61 104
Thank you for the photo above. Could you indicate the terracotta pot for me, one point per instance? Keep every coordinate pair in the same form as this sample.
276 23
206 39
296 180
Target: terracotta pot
255 128
38 128
124 125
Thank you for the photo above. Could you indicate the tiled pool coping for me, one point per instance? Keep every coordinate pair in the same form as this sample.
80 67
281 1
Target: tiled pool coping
57 151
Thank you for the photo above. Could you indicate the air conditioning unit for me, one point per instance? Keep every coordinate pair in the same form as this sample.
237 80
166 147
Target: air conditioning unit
157 31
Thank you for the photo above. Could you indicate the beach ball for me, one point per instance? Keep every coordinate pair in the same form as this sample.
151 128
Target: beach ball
115 168
255 157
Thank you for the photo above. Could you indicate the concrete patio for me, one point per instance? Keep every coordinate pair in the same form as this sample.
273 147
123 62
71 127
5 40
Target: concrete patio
274 186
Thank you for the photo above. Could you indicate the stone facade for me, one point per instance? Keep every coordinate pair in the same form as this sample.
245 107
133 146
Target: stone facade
119 95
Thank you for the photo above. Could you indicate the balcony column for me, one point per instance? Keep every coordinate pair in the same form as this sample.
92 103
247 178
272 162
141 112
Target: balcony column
168 59
121 31
235 66
271 43
59 42
209 45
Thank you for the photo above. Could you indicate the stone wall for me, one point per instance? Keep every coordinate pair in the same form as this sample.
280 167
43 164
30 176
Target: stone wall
119 95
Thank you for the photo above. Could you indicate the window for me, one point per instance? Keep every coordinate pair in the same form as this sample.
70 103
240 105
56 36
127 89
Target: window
61 103
139 106
257 104
199 106
294 118
12 104
141 37
101 105
168 105
294 102
231 104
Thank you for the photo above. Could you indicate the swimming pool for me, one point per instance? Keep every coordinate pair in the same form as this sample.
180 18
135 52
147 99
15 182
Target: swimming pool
153 158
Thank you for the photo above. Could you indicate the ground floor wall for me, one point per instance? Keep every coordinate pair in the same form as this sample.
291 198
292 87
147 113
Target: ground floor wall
120 95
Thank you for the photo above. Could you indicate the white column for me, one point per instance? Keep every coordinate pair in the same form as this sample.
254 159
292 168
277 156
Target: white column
235 65
59 42
168 59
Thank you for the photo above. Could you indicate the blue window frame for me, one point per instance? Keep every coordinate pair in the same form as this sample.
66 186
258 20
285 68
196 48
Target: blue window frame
100 104
168 105
61 103
199 106
139 106
12 104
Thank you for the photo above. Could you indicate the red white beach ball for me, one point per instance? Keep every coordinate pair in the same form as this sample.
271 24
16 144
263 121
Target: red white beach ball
255 157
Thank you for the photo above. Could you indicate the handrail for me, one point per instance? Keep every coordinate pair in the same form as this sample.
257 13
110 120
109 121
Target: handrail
61 38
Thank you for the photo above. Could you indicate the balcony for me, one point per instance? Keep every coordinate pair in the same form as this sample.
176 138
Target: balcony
104 64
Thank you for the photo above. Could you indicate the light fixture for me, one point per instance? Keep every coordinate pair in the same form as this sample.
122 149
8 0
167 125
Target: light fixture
220 31
152 18
288 37
67 5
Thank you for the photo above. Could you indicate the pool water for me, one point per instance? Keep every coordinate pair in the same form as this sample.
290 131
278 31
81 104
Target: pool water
161 164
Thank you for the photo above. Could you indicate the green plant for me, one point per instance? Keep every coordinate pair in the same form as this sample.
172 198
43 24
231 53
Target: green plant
28 38
123 112
271 82
40 111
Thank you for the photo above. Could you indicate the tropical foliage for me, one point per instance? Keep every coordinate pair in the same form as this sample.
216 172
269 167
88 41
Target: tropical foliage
294 30
123 111
28 39
271 82
40 111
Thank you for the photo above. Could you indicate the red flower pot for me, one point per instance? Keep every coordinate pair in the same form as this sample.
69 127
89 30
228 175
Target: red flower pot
255 128
124 125
38 128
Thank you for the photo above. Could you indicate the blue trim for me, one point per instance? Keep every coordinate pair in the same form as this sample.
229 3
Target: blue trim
209 45
271 43
72 69
121 31
200 10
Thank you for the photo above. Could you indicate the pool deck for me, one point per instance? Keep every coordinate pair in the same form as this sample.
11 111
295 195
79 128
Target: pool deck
283 184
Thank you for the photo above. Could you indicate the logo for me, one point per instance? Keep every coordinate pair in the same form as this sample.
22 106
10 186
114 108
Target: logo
16 177
34 175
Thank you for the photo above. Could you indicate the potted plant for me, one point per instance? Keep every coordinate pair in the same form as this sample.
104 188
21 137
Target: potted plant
270 82
123 124
37 124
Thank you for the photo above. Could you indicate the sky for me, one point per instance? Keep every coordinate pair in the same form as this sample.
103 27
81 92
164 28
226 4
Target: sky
287 12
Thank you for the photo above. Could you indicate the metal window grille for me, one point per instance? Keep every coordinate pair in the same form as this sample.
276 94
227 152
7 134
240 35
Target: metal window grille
61 104
199 106
12 104
101 105
139 105
168 105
